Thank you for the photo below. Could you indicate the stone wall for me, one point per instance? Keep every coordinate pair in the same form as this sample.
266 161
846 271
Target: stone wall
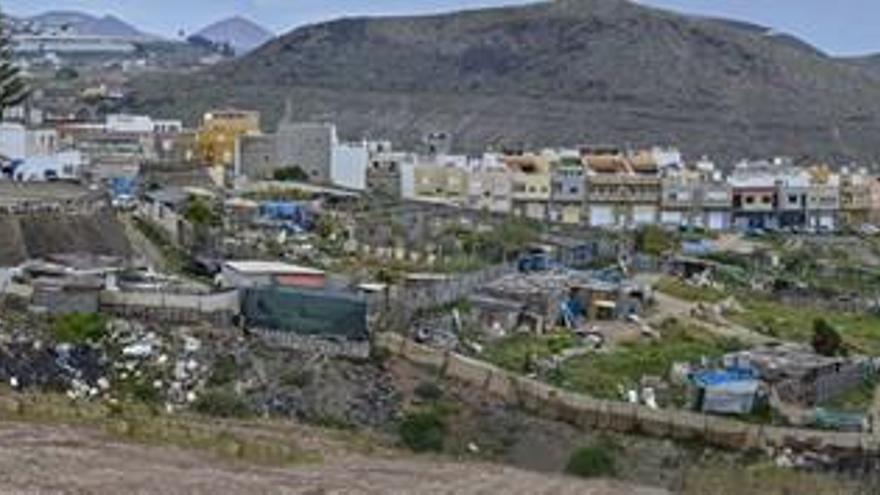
171 307
587 412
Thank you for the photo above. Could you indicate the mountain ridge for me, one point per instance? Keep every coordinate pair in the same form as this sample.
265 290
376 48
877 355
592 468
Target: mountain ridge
558 73
242 34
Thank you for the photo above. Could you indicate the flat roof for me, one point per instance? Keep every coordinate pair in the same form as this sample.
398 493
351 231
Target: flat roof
271 268
14 193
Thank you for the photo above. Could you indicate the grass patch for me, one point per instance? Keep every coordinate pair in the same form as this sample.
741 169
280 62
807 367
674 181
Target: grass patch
600 375
763 479
686 292
79 328
858 399
593 461
423 431
222 404
519 352
860 332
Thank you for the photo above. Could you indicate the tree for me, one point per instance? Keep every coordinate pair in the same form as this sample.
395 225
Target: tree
13 89
826 340
294 174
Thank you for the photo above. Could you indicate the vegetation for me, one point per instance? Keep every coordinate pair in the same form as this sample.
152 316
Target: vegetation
826 340
199 212
654 240
291 174
592 461
223 404
681 290
519 352
79 328
13 89
600 375
763 479
423 431
860 332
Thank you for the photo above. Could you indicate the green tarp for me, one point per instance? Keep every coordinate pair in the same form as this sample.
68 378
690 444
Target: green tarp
307 312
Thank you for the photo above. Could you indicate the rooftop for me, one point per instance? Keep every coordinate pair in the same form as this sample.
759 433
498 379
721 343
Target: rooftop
270 268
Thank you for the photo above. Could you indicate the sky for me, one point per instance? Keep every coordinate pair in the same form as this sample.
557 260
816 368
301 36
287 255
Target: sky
842 27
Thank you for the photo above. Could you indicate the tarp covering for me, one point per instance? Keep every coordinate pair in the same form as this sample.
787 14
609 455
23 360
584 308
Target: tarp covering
729 391
307 312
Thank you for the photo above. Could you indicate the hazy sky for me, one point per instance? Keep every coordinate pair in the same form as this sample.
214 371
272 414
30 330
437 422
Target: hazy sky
839 27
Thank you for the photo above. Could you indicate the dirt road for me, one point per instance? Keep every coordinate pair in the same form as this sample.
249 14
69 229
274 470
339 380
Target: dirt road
58 459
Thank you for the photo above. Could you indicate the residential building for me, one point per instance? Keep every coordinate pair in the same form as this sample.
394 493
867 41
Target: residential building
219 133
490 186
442 178
531 182
385 176
754 195
622 191
568 190
855 198
823 199
348 165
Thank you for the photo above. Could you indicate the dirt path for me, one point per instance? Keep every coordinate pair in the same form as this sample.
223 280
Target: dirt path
57 459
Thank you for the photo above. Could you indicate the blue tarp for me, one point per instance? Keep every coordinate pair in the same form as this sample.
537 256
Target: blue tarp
711 378
287 211
122 187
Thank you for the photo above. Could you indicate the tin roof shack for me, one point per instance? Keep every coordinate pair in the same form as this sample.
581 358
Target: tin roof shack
497 317
253 274
540 294
731 391
800 376
67 294
605 300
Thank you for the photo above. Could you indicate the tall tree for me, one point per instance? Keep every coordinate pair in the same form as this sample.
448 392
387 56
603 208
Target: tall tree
13 89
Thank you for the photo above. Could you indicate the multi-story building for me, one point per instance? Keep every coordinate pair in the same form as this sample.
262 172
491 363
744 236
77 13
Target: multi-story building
568 190
443 178
754 191
530 184
621 192
490 186
385 169
856 198
823 199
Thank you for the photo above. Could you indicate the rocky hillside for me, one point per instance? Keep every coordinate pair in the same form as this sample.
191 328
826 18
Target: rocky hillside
570 71
86 24
239 33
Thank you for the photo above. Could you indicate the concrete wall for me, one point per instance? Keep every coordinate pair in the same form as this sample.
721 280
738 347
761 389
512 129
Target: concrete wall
169 307
348 167
588 412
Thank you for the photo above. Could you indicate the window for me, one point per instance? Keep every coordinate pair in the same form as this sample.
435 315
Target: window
765 200
792 199
750 200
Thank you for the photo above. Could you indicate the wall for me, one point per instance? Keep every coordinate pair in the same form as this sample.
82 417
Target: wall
348 167
179 308
588 412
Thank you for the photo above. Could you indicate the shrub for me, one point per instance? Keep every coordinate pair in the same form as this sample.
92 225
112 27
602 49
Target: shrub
826 340
79 328
429 391
591 462
423 431
222 404
294 173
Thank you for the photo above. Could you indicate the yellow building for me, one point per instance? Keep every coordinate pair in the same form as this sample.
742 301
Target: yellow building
531 183
219 133
856 200
440 182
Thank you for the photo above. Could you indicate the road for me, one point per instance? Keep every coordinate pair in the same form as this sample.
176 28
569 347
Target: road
36 458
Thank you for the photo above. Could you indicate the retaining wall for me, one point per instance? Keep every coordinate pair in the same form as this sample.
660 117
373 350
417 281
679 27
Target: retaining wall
171 308
588 412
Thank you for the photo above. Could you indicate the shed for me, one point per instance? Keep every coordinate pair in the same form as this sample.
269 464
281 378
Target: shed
731 391
250 274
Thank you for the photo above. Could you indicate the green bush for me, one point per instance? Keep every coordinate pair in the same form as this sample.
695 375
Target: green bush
591 462
423 431
79 328
222 404
294 173
429 391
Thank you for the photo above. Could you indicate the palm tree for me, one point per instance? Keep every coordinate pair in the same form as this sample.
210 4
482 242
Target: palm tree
13 89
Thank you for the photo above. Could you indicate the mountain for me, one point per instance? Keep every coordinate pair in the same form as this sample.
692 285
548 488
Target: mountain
555 73
241 34
86 24
871 63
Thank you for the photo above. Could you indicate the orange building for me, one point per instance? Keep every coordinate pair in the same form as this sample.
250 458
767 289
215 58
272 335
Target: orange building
219 132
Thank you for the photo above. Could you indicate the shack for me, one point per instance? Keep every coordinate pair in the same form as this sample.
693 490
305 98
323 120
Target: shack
800 376
729 391
251 274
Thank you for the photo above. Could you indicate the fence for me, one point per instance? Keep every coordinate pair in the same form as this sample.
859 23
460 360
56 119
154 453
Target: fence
171 308
438 293
588 412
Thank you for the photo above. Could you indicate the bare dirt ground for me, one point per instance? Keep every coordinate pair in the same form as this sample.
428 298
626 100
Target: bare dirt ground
58 459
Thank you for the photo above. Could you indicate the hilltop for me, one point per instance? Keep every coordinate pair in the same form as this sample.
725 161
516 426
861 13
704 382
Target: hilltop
241 34
548 74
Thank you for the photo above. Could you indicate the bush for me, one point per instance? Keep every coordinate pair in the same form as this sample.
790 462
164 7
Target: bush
591 462
79 328
222 404
423 431
294 173
826 340
429 391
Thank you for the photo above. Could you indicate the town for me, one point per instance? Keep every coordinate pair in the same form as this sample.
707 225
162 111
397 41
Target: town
599 309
